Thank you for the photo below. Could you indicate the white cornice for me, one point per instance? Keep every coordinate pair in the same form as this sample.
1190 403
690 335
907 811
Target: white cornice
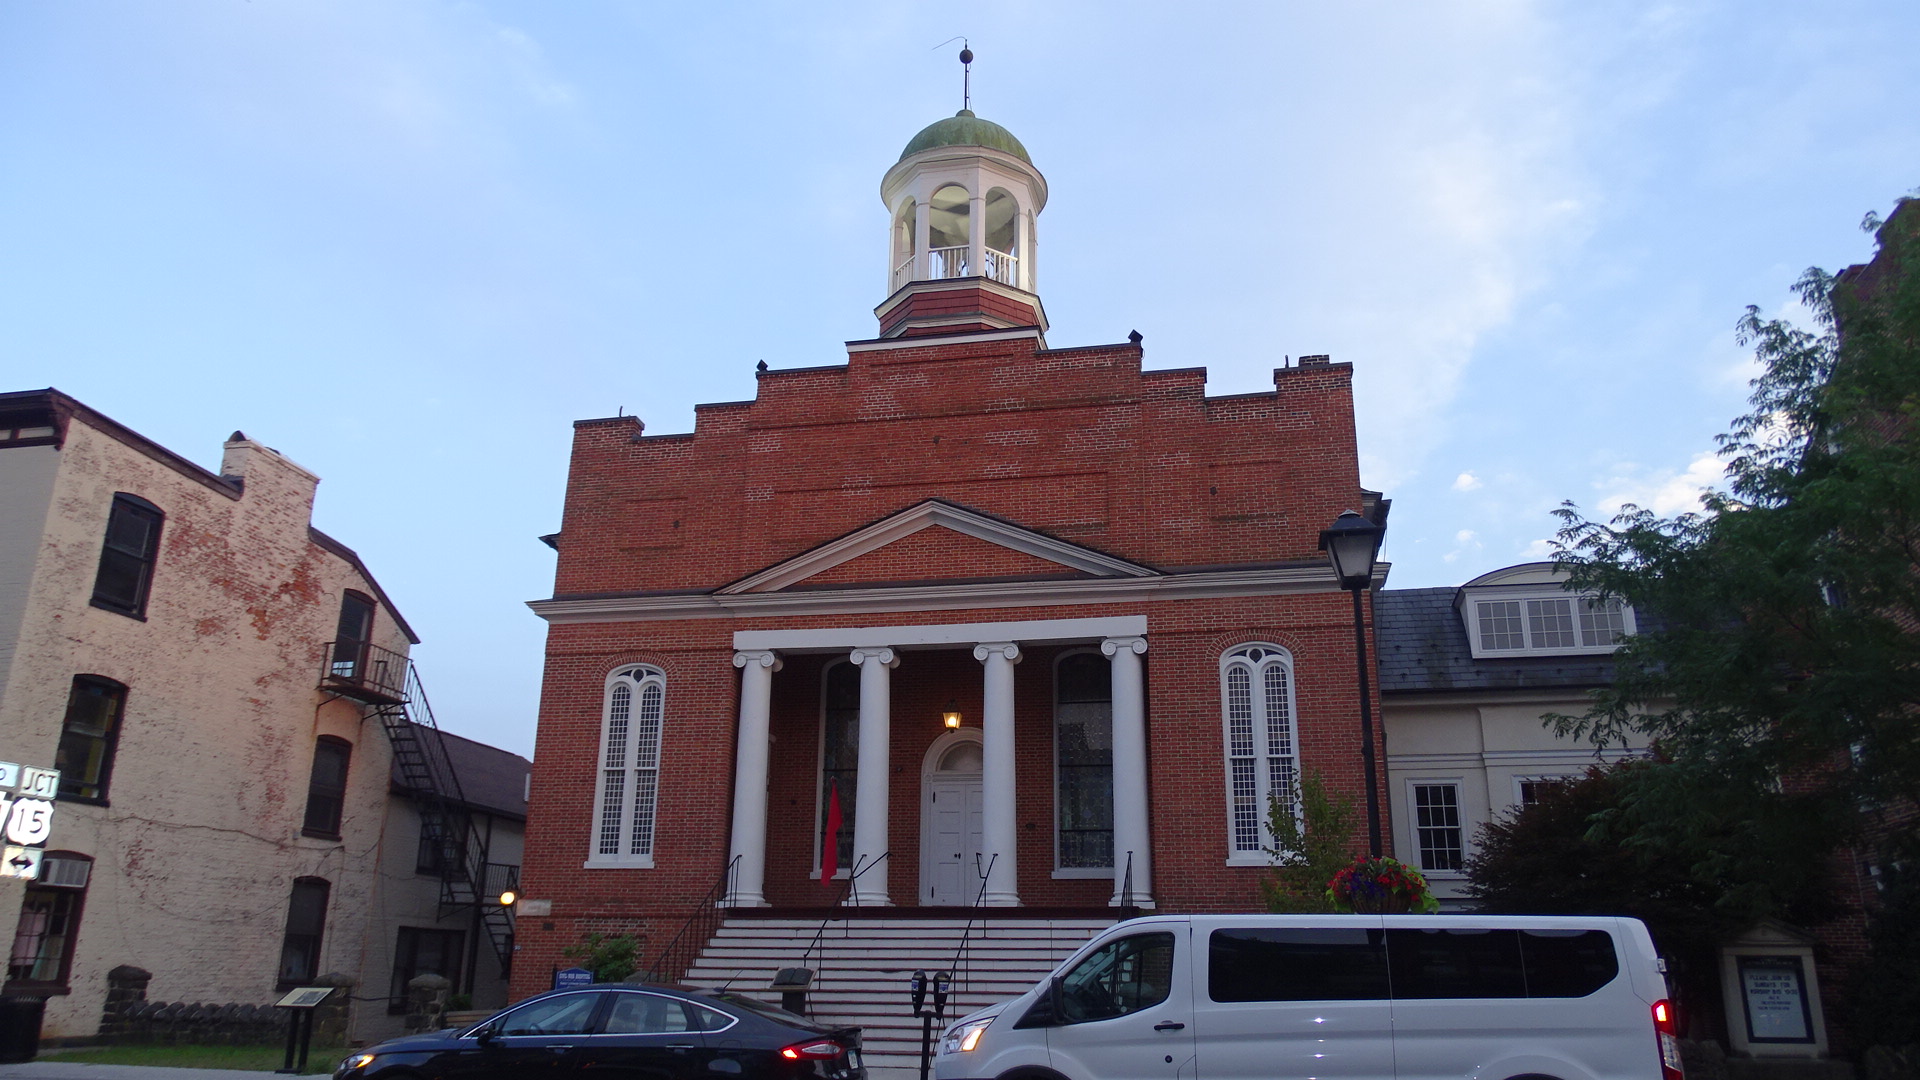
933 341
1270 581
926 515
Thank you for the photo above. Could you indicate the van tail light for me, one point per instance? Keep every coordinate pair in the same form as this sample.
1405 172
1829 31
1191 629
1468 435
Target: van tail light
1667 1031
820 1050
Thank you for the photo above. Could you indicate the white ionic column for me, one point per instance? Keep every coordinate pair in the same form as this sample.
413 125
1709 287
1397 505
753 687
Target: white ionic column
870 810
999 818
1130 771
748 857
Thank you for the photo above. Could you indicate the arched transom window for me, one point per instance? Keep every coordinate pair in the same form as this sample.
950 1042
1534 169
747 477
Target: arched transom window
628 791
1262 745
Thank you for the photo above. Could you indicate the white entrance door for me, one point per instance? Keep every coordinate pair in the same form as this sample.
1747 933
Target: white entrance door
951 844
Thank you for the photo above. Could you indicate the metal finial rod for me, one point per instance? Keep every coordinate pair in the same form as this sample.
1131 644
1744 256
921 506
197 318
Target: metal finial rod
966 75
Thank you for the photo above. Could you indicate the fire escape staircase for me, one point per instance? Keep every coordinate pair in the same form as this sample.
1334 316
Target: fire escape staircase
388 685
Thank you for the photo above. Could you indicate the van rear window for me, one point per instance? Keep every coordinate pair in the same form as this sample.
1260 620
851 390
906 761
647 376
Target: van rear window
1341 964
1296 964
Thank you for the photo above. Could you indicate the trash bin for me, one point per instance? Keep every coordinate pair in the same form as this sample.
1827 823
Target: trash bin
20 1028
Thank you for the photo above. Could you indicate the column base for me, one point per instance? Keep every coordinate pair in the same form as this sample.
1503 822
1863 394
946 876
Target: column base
1138 901
744 900
1000 900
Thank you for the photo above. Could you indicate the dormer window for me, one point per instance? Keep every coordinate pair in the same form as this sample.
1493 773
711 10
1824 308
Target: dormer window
1526 611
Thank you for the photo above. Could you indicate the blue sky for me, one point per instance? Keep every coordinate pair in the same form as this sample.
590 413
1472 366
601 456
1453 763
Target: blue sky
407 242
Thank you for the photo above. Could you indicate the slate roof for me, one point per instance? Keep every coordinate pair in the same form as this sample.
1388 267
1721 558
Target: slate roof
1423 648
492 779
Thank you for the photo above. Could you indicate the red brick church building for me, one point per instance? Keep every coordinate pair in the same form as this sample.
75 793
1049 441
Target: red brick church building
1047 626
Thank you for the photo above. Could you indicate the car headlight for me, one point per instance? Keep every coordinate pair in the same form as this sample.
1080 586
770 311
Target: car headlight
358 1061
962 1038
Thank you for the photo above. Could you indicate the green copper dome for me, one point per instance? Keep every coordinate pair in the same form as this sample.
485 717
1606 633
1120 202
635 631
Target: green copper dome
965 129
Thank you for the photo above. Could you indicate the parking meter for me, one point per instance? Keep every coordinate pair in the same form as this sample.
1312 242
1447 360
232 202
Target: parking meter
942 983
917 986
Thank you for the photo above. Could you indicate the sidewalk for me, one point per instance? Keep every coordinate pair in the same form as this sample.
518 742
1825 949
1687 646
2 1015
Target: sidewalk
55 1069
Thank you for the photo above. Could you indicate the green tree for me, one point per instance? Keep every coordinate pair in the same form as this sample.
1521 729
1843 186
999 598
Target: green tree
1309 847
1782 663
610 958
1599 845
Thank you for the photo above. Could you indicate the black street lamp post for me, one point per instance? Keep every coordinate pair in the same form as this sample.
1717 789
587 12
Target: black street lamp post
1352 544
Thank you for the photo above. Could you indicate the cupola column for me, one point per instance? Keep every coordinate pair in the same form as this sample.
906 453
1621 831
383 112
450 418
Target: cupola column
922 235
977 233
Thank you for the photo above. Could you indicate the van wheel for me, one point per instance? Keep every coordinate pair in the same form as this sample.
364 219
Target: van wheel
1533 1076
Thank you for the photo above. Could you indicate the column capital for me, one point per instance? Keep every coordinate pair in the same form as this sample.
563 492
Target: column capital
1004 649
881 654
766 658
1112 646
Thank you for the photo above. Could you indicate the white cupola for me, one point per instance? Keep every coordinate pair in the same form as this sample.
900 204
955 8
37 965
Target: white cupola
962 199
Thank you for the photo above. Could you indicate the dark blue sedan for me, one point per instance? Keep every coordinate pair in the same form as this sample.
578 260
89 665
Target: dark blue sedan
622 1032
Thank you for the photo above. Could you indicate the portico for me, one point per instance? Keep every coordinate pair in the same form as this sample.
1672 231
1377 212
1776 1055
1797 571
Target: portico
882 652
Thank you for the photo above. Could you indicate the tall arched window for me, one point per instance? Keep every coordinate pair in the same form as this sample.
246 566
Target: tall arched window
1262 744
839 758
627 794
1083 762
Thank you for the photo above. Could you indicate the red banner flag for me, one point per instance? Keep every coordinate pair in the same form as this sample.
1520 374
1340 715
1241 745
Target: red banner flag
830 845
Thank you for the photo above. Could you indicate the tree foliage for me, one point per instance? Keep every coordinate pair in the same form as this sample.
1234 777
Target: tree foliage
1603 844
610 958
1310 846
1781 664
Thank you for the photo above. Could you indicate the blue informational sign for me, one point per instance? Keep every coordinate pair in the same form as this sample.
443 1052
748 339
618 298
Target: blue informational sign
568 978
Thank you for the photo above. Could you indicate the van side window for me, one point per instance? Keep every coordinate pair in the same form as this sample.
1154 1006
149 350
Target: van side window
1123 976
1456 963
1297 964
1567 963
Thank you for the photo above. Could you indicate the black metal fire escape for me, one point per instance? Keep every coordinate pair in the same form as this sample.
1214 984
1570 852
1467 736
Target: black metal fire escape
389 685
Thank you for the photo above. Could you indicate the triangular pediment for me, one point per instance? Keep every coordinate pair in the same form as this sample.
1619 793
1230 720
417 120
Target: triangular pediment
960 531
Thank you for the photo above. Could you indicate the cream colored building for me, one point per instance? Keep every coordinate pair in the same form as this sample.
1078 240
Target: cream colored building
222 821
1466 676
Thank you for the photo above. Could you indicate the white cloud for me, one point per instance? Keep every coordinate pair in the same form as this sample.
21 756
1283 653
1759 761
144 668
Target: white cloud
1664 491
1465 542
1466 481
1539 549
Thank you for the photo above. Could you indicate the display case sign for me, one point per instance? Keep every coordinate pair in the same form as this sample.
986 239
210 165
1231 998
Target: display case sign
568 978
1774 991
26 817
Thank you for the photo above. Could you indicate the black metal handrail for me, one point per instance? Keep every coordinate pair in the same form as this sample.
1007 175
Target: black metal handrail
847 889
1126 884
693 934
958 967
365 671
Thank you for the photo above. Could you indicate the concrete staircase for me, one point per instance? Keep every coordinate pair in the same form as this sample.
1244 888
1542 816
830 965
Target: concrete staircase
861 967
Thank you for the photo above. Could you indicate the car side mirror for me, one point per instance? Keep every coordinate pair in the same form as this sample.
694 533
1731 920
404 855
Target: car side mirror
487 1034
1056 998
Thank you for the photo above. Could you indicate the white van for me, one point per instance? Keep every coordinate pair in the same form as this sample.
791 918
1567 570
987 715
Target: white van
1331 997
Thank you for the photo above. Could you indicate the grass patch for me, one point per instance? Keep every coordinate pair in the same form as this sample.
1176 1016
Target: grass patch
320 1059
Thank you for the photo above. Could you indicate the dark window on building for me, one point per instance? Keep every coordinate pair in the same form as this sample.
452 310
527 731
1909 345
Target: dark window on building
43 940
306 919
1436 815
1456 964
1297 964
351 637
126 560
443 842
88 737
1083 763
840 754
418 952
327 787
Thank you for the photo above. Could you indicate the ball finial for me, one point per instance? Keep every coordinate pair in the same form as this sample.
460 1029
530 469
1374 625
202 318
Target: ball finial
966 56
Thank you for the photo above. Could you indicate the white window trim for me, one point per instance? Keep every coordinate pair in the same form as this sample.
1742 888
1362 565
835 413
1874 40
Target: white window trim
1470 615
1263 769
1468 825
1073 872
635 676
1535 778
